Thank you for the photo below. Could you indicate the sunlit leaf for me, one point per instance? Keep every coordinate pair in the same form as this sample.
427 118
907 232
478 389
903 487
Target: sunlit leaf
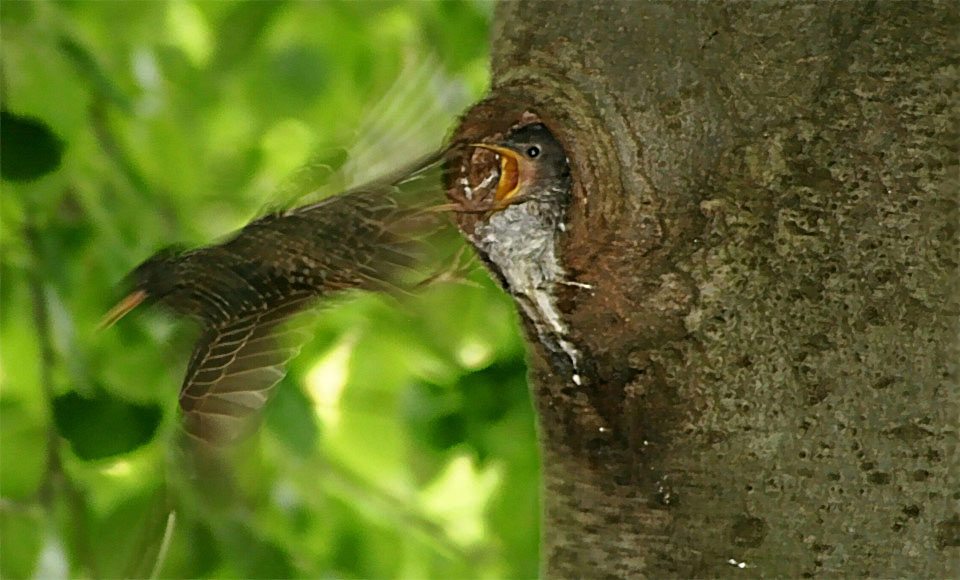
22 539
23 447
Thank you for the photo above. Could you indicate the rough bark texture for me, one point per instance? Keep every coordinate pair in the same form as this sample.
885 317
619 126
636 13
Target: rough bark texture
766 209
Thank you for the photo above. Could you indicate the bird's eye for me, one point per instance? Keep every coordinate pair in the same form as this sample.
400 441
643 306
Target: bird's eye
533 152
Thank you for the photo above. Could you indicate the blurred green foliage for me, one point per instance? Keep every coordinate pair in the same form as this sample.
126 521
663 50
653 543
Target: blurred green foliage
401 443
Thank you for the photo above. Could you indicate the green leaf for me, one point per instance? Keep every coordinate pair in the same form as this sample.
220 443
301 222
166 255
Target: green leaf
240 31
23 447
103 425
20 548
291 416
28 148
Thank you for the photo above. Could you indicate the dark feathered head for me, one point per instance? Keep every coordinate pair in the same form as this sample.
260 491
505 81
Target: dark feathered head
152 280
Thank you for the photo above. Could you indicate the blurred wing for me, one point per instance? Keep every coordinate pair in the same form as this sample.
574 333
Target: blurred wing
233 370
410 120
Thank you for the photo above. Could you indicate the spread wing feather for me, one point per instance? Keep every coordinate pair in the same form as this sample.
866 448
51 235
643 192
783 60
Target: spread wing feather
234 368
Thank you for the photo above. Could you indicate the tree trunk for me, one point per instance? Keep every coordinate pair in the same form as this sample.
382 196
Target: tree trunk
762 258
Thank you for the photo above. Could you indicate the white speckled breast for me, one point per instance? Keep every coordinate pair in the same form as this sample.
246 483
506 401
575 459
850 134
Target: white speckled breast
521 241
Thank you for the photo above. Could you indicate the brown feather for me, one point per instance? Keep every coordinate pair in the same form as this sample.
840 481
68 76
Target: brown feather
234 368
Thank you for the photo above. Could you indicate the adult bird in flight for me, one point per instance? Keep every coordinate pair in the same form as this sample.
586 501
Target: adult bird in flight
244 291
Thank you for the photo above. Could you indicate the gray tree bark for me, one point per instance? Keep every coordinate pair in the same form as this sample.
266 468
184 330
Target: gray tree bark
765 211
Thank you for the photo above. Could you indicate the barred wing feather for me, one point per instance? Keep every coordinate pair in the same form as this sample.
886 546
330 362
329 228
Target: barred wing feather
234 368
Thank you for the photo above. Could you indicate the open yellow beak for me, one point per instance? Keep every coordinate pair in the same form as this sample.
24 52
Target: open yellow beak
121 309
509 182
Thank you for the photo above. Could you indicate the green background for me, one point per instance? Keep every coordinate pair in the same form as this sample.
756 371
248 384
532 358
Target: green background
400 444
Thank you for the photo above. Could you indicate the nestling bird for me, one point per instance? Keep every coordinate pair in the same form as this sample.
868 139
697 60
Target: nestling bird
519 238
533 166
